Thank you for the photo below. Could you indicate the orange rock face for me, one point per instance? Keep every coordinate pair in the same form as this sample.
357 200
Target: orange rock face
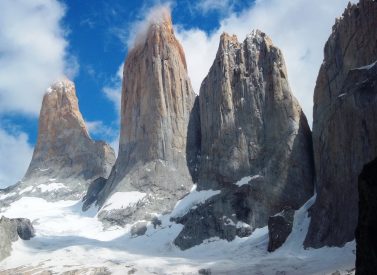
64 151
157 99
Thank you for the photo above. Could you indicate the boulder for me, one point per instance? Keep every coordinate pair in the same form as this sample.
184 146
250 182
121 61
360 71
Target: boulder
279 228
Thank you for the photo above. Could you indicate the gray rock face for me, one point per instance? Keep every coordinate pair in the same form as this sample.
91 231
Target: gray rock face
366 240
279 228
65 158
345 125
250 122
139 229
155 143
10 230
251 125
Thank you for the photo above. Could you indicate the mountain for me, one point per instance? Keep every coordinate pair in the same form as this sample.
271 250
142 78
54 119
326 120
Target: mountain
65 158
220 183
345 125
256 146
153 160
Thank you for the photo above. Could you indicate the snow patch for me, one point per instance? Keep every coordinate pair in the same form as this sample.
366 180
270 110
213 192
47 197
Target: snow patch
27 189
51 187
120 200
69 239
341 95
246 180
2 197
191 200
367 67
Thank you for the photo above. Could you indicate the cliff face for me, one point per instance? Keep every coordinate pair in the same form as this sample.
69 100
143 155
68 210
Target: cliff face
253 128
250 122
157 99
344 126
65 158
366 249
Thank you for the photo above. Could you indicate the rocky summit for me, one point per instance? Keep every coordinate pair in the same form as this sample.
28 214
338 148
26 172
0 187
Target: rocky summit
256 144
154 148
345 125
65 158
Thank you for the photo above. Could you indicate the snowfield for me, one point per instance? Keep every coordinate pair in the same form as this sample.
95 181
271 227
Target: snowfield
68 239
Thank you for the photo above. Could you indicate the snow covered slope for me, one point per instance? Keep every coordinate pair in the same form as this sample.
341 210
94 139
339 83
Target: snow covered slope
68 239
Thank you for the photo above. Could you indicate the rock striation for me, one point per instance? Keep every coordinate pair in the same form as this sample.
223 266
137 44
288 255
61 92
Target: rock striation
10 231
65 158
366 241
256 144
345 125
156 143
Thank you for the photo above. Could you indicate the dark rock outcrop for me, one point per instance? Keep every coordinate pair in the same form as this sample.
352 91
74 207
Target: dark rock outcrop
366 239
279 228
10 231
252 128
139 229
155 141
225 215
92 194
345 124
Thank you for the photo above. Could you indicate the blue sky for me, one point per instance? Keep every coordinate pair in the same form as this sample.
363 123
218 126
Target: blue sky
88 40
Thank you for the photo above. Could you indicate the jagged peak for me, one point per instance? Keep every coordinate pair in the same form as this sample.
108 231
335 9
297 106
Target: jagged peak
351 10
227 37
155 33
258 36
61 85
161 18
157 20
255 37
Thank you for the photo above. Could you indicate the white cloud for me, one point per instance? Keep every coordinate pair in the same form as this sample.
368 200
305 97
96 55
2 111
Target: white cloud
299 28
32 52
205 6
15 157
113 91
138 30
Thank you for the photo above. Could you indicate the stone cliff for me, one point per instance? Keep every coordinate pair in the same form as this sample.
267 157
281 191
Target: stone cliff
252 131
155 151
345 125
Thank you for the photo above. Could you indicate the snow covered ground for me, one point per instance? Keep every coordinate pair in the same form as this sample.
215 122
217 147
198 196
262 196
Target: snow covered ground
68 239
